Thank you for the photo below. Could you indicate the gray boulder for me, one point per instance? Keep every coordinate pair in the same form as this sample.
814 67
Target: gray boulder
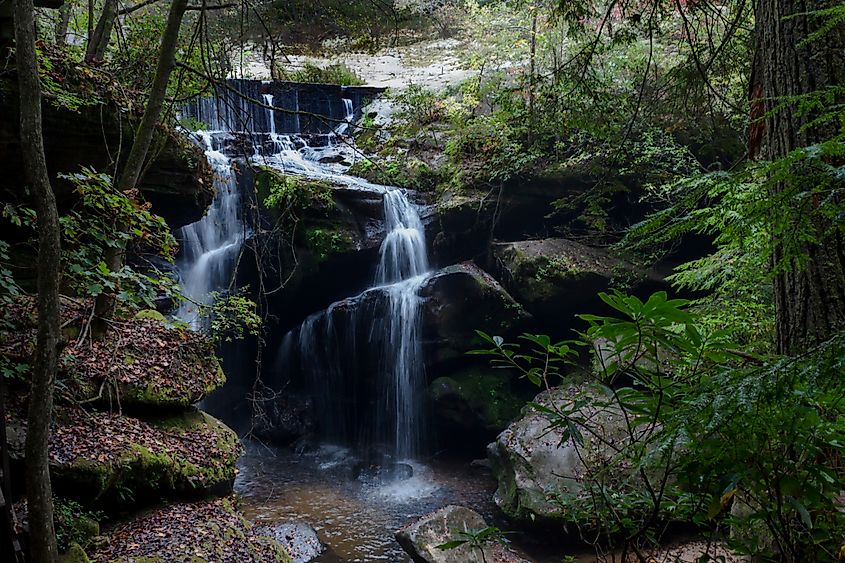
422 538
536 468
298 538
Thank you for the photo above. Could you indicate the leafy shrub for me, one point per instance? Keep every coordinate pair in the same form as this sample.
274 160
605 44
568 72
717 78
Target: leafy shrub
330 74
708 427
419 106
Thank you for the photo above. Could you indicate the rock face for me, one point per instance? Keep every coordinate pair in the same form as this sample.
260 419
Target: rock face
459 300
336 233
478 399
422 538
533 463
556 279
178 182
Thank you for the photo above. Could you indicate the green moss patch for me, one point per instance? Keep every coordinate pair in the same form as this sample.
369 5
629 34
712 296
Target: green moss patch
477 398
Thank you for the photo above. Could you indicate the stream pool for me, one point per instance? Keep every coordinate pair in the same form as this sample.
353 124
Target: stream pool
354 518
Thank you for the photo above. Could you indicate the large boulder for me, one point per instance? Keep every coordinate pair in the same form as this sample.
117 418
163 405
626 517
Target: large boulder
421 539
211 531
537 466
110 459
140 363
556 279
459 300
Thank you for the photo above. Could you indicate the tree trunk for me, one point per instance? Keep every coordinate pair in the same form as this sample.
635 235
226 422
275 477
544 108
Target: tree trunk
38 490
532 73
130 175
63 23
99 40
809 297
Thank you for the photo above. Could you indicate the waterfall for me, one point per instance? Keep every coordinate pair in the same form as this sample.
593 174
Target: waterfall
349 115
361 356
210 245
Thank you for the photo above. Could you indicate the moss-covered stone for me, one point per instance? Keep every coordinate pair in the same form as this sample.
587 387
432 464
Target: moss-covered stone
556 279
74 554
149 314
476 398
113 460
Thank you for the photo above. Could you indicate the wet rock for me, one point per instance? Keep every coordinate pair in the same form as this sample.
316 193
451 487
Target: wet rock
533 464
556 279
298 539
459 300
336 234
332 159
422 538
382 472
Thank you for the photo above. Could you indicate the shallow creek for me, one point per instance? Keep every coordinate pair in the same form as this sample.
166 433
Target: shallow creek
354 518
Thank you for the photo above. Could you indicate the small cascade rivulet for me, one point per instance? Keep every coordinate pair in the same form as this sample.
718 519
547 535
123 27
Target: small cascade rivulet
210 245
362 355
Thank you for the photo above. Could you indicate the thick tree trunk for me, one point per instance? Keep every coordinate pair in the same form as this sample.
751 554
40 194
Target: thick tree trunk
130 175
809 297
99 40
38 490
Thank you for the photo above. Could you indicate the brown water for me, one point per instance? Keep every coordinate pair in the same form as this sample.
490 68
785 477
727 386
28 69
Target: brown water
354 518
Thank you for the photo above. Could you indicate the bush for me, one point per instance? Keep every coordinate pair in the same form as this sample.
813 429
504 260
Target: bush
708 428
331 74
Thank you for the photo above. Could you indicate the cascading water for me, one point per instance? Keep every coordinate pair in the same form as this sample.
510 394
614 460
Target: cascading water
340 349
376 331
210 245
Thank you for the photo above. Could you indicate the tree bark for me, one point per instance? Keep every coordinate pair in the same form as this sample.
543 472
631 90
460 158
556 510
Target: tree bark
809 296
130 175
99 40
38 489
63 23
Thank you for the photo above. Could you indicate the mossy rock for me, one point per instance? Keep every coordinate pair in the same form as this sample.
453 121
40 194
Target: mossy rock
557 279
144 362
150 314
476 399
199 532
74 554
112 460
